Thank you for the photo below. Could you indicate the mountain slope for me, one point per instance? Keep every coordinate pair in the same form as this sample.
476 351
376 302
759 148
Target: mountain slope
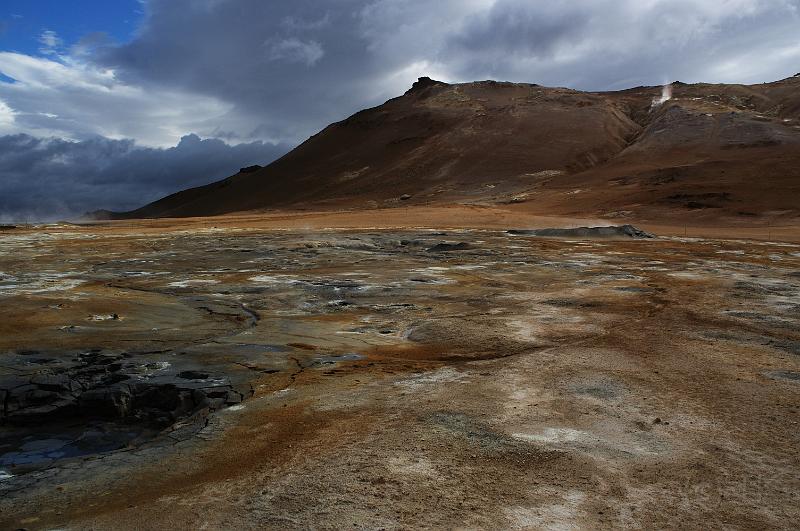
711 150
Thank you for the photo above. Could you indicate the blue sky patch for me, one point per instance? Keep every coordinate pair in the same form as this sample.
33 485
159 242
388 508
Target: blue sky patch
24 23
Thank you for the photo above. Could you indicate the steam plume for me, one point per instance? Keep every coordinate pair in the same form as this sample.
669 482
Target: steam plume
666 94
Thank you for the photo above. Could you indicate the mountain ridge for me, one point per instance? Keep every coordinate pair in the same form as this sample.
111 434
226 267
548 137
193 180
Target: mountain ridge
704 152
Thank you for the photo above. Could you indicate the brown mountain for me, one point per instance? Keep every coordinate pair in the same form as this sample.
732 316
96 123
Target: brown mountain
711 151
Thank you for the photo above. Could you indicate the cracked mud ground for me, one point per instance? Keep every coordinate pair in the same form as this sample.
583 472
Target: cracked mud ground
158 376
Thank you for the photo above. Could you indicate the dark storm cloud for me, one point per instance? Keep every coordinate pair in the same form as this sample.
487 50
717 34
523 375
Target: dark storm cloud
248 70
286 66
289 67
604 44
521 28
53 178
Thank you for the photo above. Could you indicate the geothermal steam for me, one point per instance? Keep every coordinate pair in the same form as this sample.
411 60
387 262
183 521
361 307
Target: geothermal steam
666 94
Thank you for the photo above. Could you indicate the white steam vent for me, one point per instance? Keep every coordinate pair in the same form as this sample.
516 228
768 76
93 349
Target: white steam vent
666 94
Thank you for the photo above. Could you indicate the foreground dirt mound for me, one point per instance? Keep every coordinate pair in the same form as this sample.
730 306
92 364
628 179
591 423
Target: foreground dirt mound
705 153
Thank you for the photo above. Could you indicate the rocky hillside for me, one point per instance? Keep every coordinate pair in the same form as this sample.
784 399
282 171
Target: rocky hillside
704 151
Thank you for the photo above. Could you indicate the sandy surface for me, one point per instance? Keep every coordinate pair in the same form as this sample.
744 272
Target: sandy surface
523 216
519 382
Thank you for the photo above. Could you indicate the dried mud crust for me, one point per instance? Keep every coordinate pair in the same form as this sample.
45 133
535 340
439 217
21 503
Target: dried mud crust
415 378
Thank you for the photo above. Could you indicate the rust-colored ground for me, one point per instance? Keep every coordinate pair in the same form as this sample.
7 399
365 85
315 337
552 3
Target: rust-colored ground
519 383
470 216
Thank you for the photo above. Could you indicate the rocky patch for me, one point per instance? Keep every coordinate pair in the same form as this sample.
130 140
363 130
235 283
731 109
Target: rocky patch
612 231
110 391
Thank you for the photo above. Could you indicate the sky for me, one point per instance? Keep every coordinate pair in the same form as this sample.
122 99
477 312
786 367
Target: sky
112 104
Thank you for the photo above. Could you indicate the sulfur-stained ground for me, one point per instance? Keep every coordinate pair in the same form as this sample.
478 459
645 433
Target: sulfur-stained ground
394 379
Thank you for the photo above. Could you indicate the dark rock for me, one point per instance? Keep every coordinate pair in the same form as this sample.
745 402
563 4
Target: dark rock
165 397
217 392
405 197
62 408
787 345
233 398
98 358
25 396
101 389
193 375
41 361
721 196
53 382
424 83
113 402
613 231
40 396
116 378
792 376
571 303
22 402
448 247
250 169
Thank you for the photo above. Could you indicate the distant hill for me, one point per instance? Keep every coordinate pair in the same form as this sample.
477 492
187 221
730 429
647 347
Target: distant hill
711 150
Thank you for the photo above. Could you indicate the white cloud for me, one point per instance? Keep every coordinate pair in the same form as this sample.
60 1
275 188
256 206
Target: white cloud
7 125
50 42
75 100
299 24
294 50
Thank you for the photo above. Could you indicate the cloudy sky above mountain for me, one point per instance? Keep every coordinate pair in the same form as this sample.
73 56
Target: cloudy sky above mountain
96 96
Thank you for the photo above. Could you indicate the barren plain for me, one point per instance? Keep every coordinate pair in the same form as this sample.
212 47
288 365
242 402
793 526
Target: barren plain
295 373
